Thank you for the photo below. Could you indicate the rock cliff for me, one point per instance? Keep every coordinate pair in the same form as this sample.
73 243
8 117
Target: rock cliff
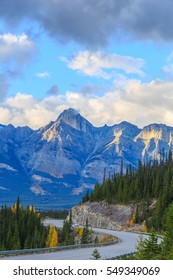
102 215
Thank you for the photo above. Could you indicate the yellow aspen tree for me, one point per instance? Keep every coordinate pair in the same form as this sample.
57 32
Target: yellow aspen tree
48 240
128 223
144 228
13 208
131 223
31 208
52 238
81 231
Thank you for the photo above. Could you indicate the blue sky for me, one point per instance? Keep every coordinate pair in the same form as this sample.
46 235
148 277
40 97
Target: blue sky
111 60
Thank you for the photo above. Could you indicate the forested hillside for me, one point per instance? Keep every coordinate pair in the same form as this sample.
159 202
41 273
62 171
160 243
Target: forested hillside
150 187
22 228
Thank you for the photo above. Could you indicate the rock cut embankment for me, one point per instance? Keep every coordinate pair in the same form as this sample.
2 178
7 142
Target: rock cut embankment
102 215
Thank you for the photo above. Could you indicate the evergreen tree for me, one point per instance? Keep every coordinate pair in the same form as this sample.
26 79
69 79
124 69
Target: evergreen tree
96 255
148 249
86 235
168 226
67 235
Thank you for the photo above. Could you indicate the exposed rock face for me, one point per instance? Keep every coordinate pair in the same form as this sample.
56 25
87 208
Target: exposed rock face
54 165
102 215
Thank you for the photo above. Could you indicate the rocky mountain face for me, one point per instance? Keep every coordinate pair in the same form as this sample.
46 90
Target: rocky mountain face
52 167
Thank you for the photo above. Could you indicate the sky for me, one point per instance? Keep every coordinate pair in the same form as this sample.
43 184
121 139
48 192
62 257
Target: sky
112 60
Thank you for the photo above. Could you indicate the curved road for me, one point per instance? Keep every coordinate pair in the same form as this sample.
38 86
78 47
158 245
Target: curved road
127 244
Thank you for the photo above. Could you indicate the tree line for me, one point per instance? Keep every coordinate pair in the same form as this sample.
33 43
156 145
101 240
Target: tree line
22 228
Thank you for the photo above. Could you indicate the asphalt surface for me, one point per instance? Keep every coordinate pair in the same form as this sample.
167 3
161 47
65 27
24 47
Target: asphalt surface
127 244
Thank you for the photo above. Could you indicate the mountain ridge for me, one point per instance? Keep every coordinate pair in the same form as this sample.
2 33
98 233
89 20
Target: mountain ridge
58 162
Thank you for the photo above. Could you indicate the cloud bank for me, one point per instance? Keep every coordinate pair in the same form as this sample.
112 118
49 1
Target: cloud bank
92 23
135 102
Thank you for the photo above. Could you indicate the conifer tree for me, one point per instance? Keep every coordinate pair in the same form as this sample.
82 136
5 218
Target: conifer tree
86 235
148 249
96 255
168 226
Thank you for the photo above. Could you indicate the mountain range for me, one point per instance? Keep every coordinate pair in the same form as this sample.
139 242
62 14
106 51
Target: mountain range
52 167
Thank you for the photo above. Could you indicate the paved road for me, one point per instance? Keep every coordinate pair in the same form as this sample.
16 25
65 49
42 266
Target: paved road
127 244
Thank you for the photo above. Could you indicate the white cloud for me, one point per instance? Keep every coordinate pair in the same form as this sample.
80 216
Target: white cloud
24 109
16 49
43 74
15 53
102 64
135 102
21 101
